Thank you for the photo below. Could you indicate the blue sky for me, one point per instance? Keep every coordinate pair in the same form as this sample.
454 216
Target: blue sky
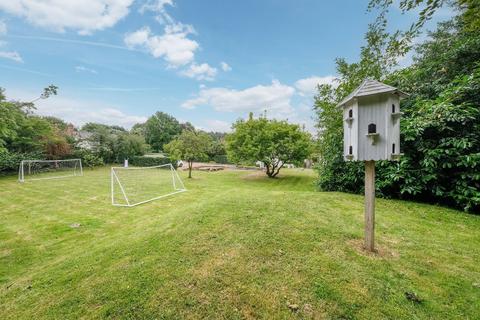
207 62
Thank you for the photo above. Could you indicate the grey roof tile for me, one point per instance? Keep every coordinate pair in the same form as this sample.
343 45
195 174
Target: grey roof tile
369 87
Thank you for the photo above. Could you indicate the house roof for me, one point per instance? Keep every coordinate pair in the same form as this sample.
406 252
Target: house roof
370 87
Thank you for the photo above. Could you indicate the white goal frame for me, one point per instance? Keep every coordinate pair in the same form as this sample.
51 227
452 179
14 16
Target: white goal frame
77 169
114 178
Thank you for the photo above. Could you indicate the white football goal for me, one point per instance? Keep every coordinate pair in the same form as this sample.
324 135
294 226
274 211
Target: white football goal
136 185
49 169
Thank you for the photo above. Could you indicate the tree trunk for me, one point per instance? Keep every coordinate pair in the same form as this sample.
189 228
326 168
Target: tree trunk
278 170
190 164
269 171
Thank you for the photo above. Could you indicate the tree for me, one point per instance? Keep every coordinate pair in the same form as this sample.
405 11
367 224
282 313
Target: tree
114 143
160 129
440 128
138 129
271 141
57 123
10 116
128 145
189 146
187 126
19 130
93 127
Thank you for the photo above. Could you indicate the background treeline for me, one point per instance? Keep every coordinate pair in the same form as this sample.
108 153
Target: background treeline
441 123
24 135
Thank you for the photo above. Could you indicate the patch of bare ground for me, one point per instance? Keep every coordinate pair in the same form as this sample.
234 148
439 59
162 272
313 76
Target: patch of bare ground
381 251
208 267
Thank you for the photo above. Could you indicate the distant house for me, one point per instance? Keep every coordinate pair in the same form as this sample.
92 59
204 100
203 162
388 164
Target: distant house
83 140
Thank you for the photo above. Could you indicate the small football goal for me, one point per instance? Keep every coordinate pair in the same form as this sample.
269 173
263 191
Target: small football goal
136 185
49 169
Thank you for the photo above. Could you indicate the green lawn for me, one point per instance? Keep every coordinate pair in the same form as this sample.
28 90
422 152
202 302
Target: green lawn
236 245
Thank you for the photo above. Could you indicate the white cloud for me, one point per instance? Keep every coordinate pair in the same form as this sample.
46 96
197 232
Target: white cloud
129 89
200 72
308 86
275 98
84 16
216 126
158 6
81 112
78 111
85 69
3 28
155 5
225 66
173 45
12 55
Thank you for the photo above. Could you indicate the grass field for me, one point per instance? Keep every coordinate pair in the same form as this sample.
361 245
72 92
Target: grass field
236 245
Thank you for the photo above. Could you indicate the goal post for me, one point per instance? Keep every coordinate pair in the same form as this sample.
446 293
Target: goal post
49 169
131 186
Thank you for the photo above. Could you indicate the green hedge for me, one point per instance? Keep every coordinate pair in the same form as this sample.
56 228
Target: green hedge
221 158
89 158
9 161
142 161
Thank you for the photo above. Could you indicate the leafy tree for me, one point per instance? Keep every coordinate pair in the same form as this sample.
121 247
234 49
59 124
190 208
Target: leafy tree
94 127
377 58
20 132
160 129
129 145
440 133
57 146
114 143
270 141
187 126
217 148
102 140
10 116
189 146
138 129
57 123
31 135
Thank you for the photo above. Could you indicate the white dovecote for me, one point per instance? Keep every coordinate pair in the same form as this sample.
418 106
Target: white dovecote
371 122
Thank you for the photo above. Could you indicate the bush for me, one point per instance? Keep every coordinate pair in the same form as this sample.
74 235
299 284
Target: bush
221 158
9 161
143 161
89 159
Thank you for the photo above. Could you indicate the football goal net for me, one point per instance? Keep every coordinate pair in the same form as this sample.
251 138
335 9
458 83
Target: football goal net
49 169
136 185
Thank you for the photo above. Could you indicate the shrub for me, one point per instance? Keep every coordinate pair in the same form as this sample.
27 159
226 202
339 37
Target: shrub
90 160
221 158
143 161
9 161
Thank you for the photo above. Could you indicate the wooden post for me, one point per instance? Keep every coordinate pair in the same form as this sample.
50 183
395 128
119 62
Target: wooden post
370 206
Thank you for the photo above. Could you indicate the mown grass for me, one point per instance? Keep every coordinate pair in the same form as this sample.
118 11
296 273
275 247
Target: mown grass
236 245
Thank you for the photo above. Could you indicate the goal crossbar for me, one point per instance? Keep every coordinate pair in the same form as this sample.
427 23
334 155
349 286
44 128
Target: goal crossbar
177 185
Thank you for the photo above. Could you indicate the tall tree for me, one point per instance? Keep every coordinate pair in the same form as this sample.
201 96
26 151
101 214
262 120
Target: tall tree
440 124
189 146
160 129
128 145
